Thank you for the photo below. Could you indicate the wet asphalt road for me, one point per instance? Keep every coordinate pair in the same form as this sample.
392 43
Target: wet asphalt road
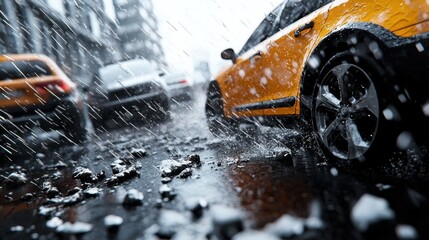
248 174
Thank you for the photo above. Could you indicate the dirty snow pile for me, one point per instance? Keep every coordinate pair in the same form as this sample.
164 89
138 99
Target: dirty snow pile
368 210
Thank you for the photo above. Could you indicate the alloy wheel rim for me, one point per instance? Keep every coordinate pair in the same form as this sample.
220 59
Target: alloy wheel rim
347 111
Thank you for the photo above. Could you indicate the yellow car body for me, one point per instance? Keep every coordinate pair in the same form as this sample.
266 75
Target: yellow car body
36 93
273 77
27 85
284 56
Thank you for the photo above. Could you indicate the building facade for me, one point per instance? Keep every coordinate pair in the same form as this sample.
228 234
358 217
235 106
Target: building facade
138 31
77 34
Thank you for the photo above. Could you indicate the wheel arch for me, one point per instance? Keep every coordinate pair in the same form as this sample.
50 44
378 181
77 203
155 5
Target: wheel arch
212 84
213 88
340 40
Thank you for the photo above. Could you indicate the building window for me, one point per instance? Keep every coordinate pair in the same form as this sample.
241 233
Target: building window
36 33
69 8
24 29
95 24
47 43
58 6
147 4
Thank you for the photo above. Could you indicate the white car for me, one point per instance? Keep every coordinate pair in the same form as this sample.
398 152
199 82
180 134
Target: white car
180 86
128 89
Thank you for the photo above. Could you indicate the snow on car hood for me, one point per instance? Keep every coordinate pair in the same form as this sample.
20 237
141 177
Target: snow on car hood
129 82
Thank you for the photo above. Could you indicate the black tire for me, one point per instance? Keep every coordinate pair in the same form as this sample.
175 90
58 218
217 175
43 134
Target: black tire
347 110
161 112
98 123
75 128
97 117
218 124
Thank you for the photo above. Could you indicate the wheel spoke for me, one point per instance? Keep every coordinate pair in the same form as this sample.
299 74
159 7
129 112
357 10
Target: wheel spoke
327 99
368 102
340 73
356 145
327 132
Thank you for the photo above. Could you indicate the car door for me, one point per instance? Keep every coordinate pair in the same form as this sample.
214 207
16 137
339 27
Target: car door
242 83
281 64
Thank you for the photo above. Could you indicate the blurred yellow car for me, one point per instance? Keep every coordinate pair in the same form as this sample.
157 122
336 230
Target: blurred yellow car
36 94
355 71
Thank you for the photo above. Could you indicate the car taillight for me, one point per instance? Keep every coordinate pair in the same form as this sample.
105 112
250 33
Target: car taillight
56 87
183 81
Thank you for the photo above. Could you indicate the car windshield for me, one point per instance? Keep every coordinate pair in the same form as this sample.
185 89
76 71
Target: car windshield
23 69
125 70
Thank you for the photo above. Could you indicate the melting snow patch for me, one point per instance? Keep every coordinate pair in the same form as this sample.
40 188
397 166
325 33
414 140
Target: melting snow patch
46 211
404 140
194 159
368 210
82 173
334 172
286 226
170 222
170 168
92 192
74 228
254 235
54 222
165 180
122 176
425 109
187 172
196 206
138 152
226 221
118 166
15 179
112 221
406 232
17 228
133 198
313 223
166 192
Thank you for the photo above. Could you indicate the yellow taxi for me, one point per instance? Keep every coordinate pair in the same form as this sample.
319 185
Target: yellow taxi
355 71
35 97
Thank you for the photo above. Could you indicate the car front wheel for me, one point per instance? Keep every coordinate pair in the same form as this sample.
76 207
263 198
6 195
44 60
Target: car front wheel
347 111
218 124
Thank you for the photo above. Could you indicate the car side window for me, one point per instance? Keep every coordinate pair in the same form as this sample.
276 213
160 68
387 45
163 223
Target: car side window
297 9
263 31
23 69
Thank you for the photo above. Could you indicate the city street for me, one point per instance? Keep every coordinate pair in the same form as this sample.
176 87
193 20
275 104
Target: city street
214 120
238 185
